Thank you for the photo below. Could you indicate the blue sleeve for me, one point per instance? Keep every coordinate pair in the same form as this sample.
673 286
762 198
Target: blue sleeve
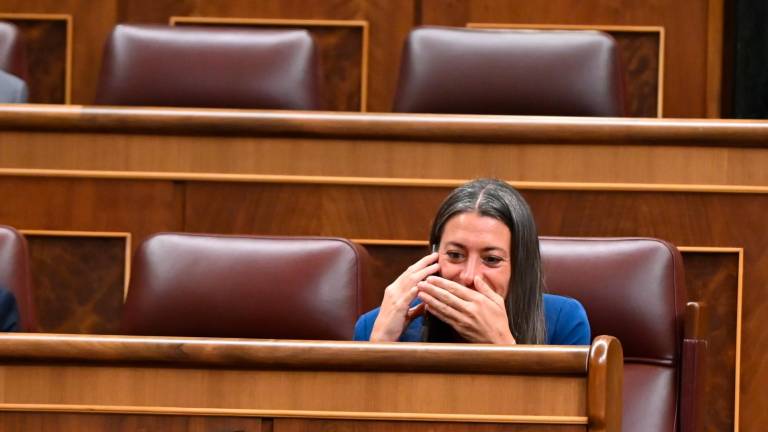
9 313
571 326
364 325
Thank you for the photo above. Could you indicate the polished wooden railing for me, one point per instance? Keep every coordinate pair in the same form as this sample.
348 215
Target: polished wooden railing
73 379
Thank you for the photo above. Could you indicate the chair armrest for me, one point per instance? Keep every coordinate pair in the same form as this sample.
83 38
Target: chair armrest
693 368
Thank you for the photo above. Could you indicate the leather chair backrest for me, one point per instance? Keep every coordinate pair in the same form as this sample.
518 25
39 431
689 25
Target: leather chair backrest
15 276
12 53
245 286
215 67
631 288
517 72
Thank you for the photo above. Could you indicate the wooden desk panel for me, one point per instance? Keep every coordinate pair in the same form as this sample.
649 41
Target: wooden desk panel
234 145
464 384
693 182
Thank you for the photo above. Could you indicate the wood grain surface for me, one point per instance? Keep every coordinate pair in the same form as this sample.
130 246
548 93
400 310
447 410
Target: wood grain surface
295 355
45 50
63 377
692 182
78 282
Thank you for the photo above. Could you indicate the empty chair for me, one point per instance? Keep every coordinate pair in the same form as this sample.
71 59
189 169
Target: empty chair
633 288
244 286
516 72
15 276
215 67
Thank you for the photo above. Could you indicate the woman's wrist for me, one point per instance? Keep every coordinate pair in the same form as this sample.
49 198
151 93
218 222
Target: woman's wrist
381 332
505 338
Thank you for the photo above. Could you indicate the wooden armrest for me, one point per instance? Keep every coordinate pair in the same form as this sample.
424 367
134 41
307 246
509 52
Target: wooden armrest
695 321
694 363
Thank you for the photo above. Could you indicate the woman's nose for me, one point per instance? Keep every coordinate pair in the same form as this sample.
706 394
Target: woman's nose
468 273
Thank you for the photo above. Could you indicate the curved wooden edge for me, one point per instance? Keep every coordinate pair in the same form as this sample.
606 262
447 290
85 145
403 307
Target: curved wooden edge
604 384
298 355
423 127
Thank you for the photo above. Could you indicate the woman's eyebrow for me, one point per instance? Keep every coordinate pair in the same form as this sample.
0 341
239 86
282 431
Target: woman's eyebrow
495 249
455 244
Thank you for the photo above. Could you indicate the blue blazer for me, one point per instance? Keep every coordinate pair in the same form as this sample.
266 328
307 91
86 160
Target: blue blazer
566 322
12 89
9 313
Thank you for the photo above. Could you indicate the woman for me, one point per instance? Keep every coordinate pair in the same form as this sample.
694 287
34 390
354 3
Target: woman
482 284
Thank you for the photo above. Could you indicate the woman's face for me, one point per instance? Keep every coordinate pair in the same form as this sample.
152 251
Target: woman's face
474 245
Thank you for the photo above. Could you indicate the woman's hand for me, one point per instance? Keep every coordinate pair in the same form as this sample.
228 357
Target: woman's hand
395 313
478 315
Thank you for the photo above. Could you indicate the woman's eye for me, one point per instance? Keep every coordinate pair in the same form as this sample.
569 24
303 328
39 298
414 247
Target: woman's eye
493 260
454 256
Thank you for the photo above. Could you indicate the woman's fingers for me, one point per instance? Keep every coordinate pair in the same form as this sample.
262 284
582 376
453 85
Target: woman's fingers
423 262
483 288
419 275
443 311
442 295
455 288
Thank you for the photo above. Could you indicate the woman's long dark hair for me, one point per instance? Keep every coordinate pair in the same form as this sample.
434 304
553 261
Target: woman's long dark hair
497 199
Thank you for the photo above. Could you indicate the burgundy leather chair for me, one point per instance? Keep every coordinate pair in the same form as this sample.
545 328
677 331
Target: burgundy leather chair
447 70
215 67
14 275
633 288
245 287
12 53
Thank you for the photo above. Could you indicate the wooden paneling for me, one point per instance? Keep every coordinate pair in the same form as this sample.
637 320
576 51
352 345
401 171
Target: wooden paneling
75 422
712 278
78 281
306 209
719 197
641 57
686 25
48 50
159 143
139 207
92 22
694 31
326 381
300 425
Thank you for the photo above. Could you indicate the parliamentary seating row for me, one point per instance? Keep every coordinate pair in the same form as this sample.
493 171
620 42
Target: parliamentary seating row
443 70
312 288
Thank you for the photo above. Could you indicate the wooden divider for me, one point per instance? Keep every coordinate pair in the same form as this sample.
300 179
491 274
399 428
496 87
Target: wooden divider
381 177
450 384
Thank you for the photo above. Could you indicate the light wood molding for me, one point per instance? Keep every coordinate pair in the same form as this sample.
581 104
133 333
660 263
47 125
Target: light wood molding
362 24
376 181
69 48
606 28
354 415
